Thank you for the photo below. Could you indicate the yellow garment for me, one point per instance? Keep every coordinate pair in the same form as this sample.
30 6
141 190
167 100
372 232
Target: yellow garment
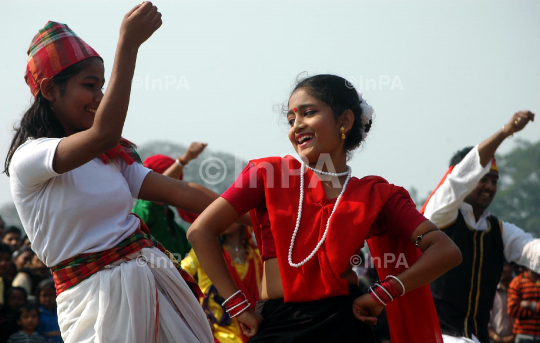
224 334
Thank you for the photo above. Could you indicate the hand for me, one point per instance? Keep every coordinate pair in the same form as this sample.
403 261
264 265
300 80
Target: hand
366 309
139 24
525 304
192 152
518 121
249 322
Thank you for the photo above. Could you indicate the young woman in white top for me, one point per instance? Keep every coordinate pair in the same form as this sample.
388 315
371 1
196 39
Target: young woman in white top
73 184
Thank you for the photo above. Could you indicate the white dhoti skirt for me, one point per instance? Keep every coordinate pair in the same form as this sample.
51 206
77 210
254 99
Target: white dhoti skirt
141 298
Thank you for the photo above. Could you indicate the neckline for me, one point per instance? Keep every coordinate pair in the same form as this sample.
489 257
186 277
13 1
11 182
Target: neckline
319 186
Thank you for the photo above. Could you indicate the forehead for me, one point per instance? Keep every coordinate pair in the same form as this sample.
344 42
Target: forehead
492 175
94 68
300 96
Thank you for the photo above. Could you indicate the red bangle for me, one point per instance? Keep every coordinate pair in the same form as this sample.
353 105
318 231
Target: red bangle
386 291
236 304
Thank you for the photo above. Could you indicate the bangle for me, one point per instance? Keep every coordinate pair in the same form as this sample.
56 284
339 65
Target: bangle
180 162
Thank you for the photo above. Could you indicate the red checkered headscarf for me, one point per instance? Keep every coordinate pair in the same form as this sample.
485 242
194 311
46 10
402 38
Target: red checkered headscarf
52 50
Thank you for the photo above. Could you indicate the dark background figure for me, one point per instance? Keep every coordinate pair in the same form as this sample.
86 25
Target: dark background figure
501 324
524 306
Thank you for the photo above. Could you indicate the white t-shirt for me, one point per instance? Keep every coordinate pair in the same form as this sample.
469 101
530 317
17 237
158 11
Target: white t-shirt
85 210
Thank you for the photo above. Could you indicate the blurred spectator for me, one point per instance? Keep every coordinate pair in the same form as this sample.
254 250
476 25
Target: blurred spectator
28 319
12 237
26 242
5 261
2 227
22 257
48 319
524 306
501 324
15 298
30 270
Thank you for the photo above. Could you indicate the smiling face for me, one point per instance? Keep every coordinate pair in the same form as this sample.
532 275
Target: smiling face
484 192
314 129
76 106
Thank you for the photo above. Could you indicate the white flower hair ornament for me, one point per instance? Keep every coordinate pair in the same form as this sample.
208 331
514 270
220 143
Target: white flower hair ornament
367 113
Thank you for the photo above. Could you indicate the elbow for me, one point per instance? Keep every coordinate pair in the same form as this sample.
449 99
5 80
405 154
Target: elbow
455 256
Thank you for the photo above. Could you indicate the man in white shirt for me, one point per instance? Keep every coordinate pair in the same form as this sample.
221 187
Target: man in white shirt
464 296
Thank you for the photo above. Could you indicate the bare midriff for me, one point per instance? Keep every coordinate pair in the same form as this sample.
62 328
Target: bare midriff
272 288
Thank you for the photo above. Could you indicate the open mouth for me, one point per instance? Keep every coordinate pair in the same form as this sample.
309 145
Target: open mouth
91 110
487 195
303 140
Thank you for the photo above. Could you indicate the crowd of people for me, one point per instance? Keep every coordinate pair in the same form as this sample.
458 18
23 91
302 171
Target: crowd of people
270 259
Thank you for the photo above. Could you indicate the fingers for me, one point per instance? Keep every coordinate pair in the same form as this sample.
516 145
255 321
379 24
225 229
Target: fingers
522 118
132 10
369 320
248 331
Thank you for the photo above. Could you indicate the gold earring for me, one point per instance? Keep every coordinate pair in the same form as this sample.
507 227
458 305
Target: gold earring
342 132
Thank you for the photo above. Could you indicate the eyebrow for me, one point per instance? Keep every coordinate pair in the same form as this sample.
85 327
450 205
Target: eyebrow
301 107
94 78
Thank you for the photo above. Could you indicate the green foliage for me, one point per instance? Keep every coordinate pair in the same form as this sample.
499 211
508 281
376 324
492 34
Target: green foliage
518 197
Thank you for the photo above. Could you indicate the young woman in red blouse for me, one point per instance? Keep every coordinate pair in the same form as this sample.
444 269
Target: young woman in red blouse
311 217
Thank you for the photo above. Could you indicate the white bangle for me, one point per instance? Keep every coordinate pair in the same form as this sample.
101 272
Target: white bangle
376 296
385 291
229 298
242 310
235 306
179 163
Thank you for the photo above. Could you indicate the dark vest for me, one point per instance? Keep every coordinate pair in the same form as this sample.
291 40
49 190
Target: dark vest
464 296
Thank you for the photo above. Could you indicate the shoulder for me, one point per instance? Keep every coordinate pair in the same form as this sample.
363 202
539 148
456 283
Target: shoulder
32 143
275 160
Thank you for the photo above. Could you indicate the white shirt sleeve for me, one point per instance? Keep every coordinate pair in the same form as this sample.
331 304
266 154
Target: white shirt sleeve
520 247
134 175
443 206
32 163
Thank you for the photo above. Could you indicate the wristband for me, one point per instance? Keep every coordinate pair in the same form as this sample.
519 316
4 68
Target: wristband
180 163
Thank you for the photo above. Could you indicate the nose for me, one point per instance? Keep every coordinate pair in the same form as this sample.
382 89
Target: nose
99 96
298 124
491 185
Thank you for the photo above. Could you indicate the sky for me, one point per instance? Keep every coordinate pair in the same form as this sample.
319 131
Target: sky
441 75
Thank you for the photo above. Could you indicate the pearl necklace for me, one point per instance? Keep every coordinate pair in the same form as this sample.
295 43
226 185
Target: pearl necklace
302 172
328 173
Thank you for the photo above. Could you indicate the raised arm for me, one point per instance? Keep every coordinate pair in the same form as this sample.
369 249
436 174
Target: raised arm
79 148
444 203
192 152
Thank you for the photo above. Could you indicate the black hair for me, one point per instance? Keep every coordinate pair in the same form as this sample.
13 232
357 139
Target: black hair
26 307
340 95
13 289
44 284
39 120
223 238
12 229
460 155
5 248
22 250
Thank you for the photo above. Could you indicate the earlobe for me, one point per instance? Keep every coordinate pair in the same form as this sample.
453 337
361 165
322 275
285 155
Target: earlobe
47 89
347 120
